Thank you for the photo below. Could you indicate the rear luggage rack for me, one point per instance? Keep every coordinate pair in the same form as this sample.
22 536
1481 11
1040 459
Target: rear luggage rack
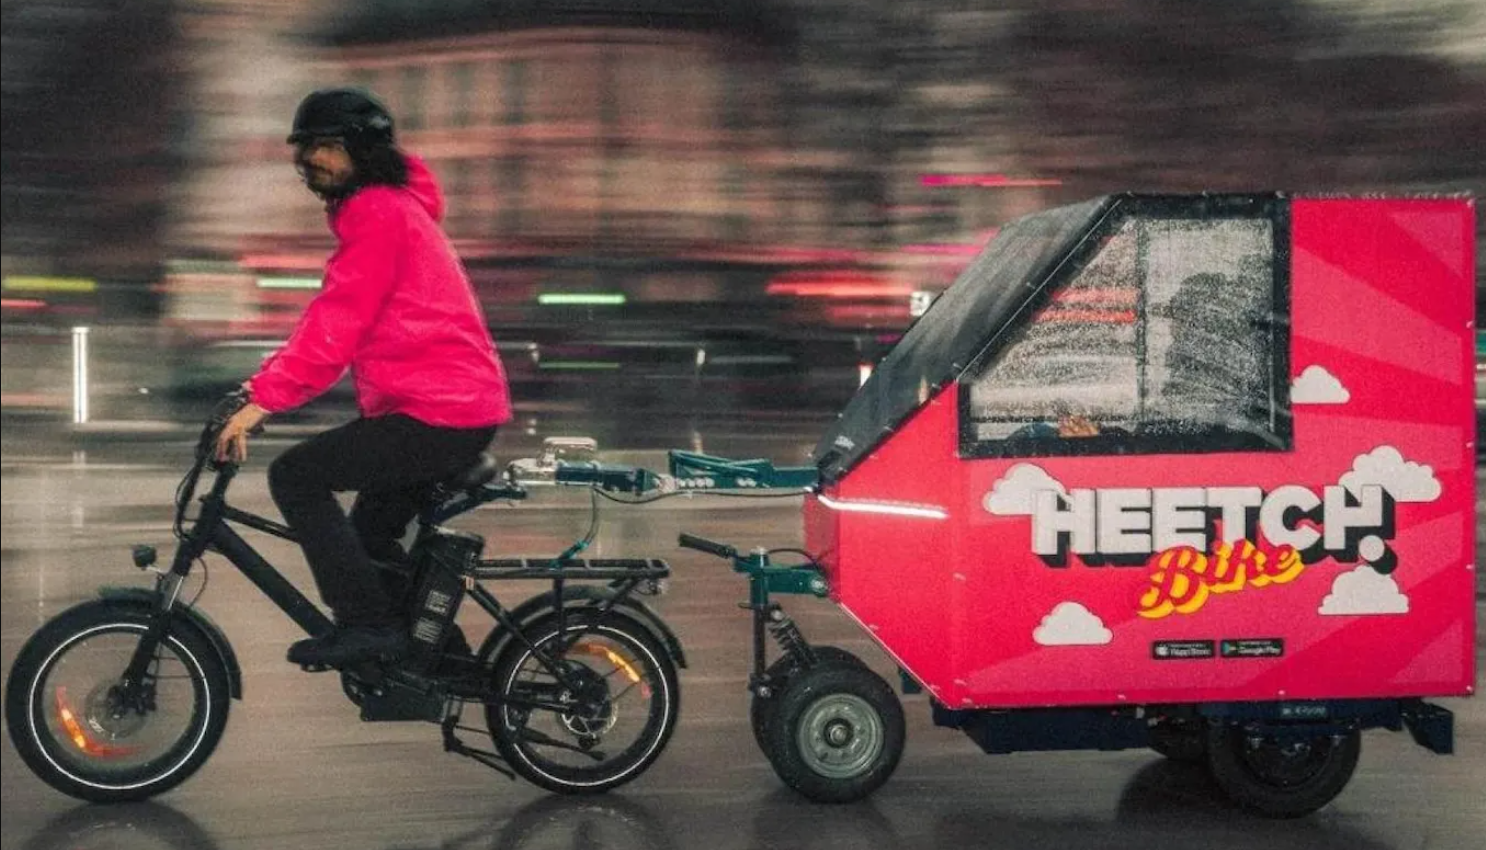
577 568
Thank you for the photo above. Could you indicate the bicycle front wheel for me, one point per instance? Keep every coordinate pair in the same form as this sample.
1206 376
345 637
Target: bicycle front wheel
600 724
83 733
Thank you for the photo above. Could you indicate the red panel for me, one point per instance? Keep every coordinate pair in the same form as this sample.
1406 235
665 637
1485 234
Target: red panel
821 536
896 573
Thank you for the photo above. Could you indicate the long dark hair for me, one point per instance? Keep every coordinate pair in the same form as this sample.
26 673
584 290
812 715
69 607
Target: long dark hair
378 164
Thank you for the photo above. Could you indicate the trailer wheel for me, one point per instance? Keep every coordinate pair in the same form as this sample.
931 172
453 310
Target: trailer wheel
1281 777
1180 740
761 709
837 733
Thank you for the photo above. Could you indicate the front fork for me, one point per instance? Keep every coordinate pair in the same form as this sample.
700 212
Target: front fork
769 618
136 687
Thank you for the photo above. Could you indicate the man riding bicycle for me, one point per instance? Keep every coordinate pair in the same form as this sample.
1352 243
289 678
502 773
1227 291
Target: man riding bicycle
397 309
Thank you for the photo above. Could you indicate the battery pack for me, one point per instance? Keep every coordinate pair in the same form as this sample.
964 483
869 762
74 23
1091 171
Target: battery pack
441 564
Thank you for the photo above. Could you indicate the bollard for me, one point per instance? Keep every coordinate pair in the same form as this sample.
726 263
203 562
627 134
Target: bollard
79 375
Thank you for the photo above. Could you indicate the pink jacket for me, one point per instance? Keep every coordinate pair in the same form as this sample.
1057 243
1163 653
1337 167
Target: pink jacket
396 309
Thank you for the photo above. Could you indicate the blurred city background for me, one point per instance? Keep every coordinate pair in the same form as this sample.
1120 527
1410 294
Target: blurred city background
692 224
699 209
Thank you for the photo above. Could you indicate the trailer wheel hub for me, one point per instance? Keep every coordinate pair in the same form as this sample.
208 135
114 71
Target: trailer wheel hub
838 733
840 736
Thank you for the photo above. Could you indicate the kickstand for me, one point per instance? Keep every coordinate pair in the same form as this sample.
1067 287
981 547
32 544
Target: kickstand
452 744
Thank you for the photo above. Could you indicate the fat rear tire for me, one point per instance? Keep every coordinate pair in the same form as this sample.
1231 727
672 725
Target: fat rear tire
615 657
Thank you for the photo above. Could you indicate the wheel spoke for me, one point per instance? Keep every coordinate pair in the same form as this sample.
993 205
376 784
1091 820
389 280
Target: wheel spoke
88 733
615 708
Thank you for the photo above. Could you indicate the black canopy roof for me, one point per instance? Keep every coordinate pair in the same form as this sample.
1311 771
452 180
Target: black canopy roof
970 316
973 319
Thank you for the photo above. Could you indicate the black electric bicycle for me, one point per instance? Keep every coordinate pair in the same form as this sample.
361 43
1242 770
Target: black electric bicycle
126 696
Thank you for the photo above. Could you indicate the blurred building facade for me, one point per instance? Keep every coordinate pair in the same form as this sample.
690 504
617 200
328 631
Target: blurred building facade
643 151
764 165
792 162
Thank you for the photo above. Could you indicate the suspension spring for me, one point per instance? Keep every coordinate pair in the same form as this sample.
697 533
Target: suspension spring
787 634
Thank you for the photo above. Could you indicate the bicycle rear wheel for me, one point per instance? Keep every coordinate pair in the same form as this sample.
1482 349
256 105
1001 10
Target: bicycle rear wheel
601 727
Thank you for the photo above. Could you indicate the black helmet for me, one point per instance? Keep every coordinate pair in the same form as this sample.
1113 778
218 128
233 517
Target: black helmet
350 114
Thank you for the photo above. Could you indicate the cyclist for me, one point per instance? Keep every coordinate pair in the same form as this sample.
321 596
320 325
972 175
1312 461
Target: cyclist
398 310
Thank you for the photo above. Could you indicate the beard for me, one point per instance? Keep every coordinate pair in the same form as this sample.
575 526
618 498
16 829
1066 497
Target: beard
326 186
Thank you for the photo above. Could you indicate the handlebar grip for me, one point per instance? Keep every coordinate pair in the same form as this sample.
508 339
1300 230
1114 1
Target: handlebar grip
701 544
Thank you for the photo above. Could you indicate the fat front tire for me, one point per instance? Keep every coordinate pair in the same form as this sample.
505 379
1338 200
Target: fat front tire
81 734
837 733
598 726
1281 777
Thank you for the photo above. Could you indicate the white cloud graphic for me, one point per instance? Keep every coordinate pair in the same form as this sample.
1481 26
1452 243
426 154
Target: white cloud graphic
1405 480
1318 386
1071 624
1364 591
1012 495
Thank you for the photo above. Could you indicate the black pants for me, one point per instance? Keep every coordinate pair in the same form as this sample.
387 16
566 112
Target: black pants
392 464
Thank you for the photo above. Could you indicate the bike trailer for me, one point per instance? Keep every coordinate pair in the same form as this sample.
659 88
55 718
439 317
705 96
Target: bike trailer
1194 462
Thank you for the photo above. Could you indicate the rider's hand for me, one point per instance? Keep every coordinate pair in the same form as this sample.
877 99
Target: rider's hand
232 443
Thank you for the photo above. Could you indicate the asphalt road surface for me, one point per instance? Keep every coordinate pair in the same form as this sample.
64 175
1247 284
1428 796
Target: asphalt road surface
298 769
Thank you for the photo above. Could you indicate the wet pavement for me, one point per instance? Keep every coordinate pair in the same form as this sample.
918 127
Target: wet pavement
297 768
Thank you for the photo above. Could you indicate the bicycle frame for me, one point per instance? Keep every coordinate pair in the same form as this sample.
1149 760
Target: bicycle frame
211 531
549 676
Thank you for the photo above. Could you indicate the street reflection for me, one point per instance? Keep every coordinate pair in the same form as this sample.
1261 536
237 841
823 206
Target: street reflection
786 821
608 822
136 826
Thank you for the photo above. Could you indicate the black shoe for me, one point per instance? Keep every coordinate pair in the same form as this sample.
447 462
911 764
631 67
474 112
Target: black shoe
349 645
309 645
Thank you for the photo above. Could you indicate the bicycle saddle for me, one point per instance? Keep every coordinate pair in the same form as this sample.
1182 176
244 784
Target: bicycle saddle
481 472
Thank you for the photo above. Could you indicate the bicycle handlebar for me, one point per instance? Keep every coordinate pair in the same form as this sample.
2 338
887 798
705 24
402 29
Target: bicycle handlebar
206 452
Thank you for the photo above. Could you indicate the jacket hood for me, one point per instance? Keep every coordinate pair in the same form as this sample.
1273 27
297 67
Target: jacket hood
423 186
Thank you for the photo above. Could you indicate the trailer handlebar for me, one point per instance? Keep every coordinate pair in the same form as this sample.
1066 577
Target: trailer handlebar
702 544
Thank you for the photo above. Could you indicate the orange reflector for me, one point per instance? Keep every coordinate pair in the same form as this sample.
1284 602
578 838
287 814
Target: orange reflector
617 660
81 740
623 665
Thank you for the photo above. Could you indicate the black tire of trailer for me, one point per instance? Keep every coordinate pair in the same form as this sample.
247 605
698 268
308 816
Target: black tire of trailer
761 711
1233 754
837 734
